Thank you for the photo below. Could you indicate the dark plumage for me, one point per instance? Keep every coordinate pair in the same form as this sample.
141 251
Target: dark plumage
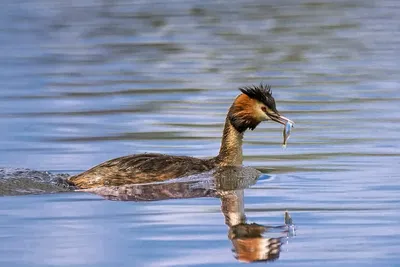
256 104
141 168
262 93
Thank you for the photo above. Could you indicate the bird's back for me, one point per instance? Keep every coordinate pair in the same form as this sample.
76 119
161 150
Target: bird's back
141 168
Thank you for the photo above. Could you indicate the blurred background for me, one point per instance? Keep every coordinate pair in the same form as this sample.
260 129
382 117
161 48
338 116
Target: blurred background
86 81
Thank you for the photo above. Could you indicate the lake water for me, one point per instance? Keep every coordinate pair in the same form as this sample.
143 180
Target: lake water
86 81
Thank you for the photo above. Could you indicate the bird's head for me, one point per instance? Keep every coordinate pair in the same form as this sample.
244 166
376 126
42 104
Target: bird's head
254 105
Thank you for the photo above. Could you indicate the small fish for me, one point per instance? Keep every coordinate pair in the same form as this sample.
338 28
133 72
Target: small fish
286 133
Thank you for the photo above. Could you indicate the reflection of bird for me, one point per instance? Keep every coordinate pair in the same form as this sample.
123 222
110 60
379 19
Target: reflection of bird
254 105
249 240
209 184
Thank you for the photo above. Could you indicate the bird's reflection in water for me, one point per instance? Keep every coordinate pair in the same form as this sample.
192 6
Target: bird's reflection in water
251 241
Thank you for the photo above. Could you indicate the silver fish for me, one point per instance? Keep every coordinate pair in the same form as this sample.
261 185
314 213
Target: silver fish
286 133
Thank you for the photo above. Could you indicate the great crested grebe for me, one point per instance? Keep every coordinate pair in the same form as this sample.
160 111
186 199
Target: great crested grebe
254 105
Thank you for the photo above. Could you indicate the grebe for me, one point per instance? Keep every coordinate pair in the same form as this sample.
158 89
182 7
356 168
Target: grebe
254 105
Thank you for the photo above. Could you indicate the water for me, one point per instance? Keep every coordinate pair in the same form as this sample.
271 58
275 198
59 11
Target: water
86 81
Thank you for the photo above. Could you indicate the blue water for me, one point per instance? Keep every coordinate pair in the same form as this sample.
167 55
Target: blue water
86 81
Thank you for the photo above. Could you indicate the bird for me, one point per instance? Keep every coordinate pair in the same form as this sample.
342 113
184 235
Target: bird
252 106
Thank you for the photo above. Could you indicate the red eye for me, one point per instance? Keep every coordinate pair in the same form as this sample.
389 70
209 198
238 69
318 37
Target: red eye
264 109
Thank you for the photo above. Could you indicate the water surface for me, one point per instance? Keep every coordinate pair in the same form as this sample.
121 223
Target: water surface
86 81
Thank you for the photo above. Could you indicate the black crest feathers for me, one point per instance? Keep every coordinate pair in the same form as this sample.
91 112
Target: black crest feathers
261 93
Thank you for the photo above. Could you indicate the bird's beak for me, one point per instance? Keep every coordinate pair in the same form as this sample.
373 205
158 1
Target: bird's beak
280 119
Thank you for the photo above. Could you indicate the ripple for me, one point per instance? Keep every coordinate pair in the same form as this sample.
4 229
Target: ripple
89 81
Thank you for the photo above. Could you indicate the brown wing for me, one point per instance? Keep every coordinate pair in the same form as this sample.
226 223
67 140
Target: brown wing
141 168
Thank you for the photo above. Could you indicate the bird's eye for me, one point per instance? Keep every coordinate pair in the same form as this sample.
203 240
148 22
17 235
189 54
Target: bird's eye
263 108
